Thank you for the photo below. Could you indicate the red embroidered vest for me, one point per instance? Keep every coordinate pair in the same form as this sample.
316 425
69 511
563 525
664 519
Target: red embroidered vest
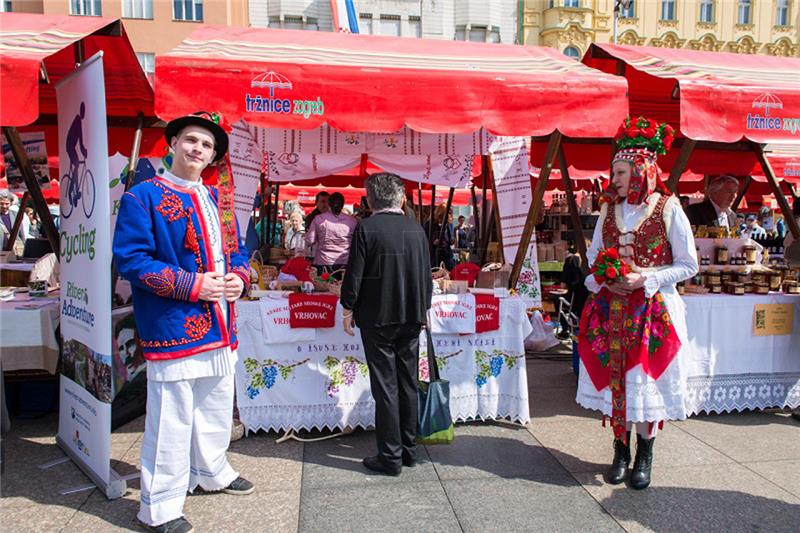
651 246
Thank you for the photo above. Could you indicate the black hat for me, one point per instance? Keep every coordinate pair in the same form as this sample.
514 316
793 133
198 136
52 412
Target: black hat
204 119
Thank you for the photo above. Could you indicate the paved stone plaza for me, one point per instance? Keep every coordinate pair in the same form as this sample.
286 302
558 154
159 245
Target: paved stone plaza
738 472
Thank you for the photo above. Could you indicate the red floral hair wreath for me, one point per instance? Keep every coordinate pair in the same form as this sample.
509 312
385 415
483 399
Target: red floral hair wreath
639 143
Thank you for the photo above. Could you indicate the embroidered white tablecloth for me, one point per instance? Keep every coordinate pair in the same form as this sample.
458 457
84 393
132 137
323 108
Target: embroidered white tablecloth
730 369
324 382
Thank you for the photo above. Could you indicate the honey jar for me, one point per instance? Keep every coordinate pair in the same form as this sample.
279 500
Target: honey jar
736 288
721 255
791 287
750 253
761 288
775 281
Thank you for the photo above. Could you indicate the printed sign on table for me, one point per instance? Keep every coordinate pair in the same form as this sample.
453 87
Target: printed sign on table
773 319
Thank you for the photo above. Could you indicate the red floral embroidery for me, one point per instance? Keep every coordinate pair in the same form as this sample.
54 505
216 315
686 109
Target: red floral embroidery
199 325
190 242
162 283
196 326
170 206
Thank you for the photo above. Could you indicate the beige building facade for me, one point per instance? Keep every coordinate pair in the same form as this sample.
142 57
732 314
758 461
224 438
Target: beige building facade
739 26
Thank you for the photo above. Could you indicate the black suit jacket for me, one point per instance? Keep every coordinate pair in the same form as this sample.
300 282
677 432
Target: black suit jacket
388 278
704 214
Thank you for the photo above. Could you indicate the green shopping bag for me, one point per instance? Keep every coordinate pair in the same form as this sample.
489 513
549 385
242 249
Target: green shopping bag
434 423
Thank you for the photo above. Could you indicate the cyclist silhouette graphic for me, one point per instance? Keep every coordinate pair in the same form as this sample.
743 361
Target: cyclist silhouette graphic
79 181
75 140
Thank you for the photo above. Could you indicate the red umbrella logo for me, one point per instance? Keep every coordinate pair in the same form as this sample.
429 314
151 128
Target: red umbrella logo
271 80
768 101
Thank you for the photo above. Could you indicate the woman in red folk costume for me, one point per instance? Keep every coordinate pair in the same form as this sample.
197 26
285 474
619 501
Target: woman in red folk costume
634 324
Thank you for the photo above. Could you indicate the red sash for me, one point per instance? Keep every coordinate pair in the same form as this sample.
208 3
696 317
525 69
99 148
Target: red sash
312 310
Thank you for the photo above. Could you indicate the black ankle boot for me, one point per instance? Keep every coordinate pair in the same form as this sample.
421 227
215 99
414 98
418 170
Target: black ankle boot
622 458
640 476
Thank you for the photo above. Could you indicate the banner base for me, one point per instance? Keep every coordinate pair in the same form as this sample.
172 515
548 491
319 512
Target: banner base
115 488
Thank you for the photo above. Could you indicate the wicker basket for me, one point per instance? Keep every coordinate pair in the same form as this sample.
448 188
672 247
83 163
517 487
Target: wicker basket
265 273
440 272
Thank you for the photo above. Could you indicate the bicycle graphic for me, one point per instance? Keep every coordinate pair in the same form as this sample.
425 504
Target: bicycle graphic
82 191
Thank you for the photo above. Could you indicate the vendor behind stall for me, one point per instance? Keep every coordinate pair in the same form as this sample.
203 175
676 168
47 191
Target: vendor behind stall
329 235
715 210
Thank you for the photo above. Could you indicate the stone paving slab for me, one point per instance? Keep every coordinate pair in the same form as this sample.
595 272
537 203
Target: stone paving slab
493 450
586 446
748 436
727 498
543 374
337 463
557 405
785 474
557 503
378 507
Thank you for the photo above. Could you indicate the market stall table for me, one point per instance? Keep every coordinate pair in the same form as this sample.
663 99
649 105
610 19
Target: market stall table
27 338
319 378
731 369
28 333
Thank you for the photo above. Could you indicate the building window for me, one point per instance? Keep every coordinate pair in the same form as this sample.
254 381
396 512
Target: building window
706 10
667 9
477 34
137 9
292 23
85 7
147 61
414 26
571 51
390 25
365 23
782 13
572 3
744 11
627 11
551 4
191 10
461 33
494 35
5 6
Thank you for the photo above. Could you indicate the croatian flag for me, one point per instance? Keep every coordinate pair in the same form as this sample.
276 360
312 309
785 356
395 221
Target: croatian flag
344 16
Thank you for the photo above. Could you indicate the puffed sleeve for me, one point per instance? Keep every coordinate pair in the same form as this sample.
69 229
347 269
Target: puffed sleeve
594 248
684 255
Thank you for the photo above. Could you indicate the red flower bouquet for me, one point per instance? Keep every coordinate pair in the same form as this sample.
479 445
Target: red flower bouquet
608 266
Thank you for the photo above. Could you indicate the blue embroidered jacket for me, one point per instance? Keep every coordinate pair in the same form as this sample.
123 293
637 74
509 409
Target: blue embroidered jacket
161 246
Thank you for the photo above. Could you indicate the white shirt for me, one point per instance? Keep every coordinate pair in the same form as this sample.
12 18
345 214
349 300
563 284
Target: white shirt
679 233
219 362
722 215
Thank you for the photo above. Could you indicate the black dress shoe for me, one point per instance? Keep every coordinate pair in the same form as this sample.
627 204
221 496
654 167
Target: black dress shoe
179 525
622 458
376 464
409 462
640 476
239 487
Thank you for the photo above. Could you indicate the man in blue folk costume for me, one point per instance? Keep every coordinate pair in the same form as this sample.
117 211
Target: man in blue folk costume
187 265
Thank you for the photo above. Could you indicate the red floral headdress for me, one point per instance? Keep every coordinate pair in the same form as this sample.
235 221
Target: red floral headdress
639 142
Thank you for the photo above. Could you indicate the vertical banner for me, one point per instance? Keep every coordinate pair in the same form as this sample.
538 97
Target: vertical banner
84 425
512 183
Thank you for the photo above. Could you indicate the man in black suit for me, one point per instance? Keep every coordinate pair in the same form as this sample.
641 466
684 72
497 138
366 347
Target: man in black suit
387 291
715 210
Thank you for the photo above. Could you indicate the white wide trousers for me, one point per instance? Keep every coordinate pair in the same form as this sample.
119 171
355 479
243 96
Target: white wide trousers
187 432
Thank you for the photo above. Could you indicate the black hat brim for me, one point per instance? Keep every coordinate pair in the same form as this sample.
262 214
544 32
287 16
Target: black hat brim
174 127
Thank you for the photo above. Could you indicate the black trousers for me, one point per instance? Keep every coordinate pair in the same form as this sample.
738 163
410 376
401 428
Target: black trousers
393 359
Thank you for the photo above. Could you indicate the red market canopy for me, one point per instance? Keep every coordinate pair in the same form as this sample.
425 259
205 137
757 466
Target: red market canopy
712 96
36 46
302 79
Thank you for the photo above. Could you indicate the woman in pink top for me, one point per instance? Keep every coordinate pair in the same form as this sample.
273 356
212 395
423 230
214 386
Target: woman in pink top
330 235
